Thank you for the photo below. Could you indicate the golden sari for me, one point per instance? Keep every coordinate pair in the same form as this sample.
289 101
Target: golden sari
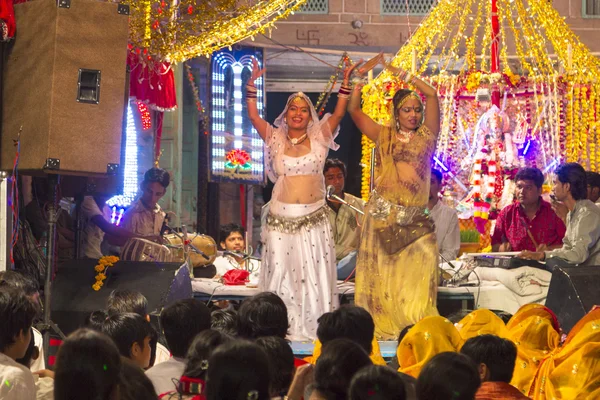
573 371
375 355
396 272
534 329
481 322
429 337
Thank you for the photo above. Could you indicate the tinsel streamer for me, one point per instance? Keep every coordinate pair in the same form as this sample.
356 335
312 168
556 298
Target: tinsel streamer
202 114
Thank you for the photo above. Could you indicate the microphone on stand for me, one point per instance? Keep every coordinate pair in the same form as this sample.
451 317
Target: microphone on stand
245 256
332 196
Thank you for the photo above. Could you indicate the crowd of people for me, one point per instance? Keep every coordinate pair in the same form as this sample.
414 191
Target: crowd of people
244 354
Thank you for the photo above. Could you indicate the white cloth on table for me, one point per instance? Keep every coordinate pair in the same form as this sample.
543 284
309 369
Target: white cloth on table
16 381
162 375
227 263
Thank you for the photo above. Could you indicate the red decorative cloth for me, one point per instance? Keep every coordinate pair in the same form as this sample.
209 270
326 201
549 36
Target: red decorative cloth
151 82
7 15
512 224
498 391
236 277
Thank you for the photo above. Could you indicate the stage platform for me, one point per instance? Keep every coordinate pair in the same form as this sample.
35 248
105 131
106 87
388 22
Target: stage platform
305 349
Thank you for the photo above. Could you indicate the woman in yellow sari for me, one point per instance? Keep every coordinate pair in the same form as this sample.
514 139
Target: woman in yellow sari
429 337
481 322
573 371
535 331
396 272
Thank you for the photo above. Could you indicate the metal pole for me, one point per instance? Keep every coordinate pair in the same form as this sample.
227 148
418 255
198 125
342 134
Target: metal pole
53 181
372 177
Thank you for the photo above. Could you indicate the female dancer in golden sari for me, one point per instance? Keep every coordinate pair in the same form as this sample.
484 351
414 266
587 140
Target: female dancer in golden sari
396 273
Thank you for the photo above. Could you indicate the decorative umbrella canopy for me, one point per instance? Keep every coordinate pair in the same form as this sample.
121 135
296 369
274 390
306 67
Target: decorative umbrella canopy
517 88
177 30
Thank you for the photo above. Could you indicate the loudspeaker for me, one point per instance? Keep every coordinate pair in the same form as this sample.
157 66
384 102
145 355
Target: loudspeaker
73 298
65 84
572 293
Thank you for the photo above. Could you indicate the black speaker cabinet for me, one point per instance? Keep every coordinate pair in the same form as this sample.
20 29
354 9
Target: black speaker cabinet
73 298
65 84
572 293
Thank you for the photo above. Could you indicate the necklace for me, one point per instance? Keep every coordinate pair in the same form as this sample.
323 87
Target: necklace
296 141
404 136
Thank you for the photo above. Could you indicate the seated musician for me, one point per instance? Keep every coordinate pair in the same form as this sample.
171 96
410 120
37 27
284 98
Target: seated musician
232 240
530 223
144 218
581 245
444 218
593 187
344 220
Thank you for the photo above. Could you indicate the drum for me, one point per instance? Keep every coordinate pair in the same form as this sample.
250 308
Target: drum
203 243
138 249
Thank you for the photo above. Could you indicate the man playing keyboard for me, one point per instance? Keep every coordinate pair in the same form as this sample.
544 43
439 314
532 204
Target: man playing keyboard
529 223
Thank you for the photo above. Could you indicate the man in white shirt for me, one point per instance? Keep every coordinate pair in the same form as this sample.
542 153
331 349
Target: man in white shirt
445 219
181 321
232 239
16 313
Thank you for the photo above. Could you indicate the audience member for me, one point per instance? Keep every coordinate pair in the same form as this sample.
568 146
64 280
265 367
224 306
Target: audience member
341 359
377 382
394 361
530 223
445 219
281 364
124 301
580 244
95 320
181 321
345 222
447 376
481 322
350 322
593 187
192 384
131 333
495 358
16 313
225 321
44 380
238 370
264 314
19 281
134 385
88 366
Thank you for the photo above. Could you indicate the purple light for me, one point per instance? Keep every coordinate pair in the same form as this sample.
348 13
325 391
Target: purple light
526 147
441 164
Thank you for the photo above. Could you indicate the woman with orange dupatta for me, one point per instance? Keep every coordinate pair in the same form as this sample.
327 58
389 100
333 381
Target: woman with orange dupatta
481 322
429 337
573 371
535 331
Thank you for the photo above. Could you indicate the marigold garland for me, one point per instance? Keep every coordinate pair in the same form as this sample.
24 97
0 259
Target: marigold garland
103 264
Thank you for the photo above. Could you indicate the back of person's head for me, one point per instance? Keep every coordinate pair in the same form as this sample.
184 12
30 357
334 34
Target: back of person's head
264 314
281 363
203 345
17 312
88 367
135 385
19 281
181 321
503 315
457 316
349 322
498 355
530 174
339 361
574 175
31 354
448 376
225 321
238 370
130 332
127 301
377 382
157 175
228 229
95 320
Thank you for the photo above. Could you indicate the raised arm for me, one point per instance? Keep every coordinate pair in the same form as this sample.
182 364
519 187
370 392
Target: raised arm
342 100
432 104
364 123
259 124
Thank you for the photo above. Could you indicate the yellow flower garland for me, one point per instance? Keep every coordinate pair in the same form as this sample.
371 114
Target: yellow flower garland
103 264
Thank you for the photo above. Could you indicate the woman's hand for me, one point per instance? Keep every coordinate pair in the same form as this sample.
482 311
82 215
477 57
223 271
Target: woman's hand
349 69
303 377
256 72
